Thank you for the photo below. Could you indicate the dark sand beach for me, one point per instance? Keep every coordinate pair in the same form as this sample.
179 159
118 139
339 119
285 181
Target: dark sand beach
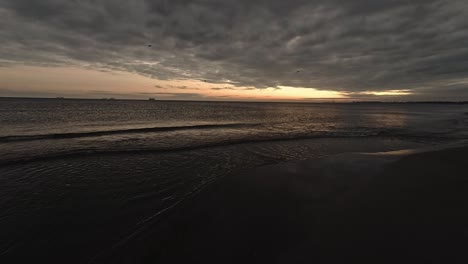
385 208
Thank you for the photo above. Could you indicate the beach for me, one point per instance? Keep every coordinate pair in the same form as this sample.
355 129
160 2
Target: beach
110 181
233 132
395 207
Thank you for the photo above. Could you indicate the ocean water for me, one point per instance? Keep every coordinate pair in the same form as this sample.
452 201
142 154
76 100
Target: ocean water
78 177
41 128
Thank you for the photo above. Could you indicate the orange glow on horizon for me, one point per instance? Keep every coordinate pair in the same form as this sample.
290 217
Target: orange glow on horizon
387 92
92 83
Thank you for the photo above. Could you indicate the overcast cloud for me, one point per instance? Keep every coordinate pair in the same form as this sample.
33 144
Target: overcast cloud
342 45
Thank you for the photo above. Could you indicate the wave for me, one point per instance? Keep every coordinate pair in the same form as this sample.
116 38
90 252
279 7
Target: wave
120 131
225 143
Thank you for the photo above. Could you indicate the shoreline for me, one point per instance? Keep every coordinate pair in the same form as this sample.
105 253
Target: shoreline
406 207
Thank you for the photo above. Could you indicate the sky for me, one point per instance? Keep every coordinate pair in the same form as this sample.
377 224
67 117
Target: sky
273 50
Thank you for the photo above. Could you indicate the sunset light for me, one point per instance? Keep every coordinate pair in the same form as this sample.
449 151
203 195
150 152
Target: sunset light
233 131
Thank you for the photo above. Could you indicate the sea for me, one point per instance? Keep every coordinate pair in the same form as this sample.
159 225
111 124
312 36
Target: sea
78 177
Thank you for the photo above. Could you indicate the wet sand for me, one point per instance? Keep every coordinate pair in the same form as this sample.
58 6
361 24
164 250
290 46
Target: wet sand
347 208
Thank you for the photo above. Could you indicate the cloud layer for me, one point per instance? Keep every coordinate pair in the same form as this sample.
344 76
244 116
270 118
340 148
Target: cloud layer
350 46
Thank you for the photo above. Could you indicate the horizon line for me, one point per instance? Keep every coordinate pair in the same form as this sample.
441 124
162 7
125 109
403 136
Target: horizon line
329 100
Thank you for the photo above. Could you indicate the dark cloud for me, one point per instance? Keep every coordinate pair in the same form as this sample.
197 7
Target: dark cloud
240 88
449 92
350 46
182 87
223 88
178 87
